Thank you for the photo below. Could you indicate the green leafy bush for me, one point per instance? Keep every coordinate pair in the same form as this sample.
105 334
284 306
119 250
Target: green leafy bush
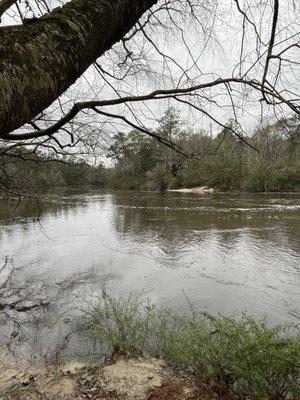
237 354
123 325
233 354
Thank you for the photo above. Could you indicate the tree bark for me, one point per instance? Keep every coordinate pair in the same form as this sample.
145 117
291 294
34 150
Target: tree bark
42 58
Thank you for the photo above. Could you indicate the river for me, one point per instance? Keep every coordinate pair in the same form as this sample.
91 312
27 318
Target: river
224 252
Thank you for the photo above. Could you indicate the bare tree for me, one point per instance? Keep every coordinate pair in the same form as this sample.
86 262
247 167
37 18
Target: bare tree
42 57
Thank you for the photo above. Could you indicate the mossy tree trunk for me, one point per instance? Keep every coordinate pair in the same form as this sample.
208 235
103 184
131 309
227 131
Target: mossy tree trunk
40 59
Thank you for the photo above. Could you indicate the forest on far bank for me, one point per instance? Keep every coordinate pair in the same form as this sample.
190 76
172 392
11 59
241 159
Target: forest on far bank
266 161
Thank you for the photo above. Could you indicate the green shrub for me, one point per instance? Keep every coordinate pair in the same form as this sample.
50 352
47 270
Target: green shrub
236 354
122 325
242 355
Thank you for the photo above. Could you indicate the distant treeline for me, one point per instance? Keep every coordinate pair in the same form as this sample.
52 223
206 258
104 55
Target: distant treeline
225 161
24 171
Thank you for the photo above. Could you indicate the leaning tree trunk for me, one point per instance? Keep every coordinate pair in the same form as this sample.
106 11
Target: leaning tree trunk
40 59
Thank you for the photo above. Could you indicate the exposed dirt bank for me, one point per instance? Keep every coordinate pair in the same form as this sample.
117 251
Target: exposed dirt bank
124 379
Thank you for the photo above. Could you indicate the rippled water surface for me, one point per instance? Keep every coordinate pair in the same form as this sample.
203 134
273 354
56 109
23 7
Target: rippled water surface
224 252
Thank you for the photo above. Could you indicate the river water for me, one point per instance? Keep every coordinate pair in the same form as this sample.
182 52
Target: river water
225 252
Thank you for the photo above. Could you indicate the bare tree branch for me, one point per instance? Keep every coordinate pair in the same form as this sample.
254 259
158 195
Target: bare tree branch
5 5
271 42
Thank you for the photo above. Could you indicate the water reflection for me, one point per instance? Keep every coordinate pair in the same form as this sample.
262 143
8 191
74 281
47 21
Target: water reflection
40 320
225 251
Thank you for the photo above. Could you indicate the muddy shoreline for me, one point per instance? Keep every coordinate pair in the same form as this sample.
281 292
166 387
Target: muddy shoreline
117 379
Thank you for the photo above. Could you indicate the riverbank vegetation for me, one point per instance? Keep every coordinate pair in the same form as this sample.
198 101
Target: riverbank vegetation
235 356
268 160
155 353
